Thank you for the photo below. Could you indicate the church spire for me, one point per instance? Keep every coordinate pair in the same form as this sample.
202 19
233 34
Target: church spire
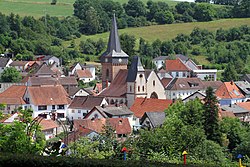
114 41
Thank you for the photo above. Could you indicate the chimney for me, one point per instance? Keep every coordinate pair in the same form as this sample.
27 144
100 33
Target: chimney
231 82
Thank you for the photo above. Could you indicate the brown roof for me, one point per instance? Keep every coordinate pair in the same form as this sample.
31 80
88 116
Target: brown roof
175 65
86 102
68 80
48 95
165 81
228 90
118 86
213 84
120 125
19 63
83 74
48 124
44 70
37 81
142 105
13 95
186 84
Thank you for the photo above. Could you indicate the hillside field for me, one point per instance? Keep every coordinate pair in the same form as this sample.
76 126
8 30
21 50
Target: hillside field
38 8
168 31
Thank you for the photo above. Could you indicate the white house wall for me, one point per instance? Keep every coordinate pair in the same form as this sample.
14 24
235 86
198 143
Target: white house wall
157 87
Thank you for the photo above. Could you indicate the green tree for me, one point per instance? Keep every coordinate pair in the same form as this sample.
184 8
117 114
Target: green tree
15 139
204 12
11 74
135 8
88 46
91 24
211 124
230 73
128 43
100 45
167 47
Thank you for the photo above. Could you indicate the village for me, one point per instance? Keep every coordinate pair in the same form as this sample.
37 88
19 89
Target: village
127 97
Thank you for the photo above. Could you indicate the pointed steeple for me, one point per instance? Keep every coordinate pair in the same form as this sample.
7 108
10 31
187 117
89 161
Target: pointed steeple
114 41
135 67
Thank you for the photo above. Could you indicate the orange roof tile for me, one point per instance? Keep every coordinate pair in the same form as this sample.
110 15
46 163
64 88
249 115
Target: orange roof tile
48 124
83 74
175 65
166 81
13 95
48 95
245 105
142 105
228 90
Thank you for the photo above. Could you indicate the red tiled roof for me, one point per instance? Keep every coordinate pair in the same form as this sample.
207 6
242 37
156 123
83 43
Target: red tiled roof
175 65
83 74
118 86
142 105
48 95
13 95
245 105
228 90
48 124
120 125
165 81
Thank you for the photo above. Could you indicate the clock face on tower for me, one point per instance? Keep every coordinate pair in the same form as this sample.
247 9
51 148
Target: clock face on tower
120 60
106 60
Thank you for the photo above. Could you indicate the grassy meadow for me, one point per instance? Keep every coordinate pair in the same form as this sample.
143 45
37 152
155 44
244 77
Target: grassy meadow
168 31
38 8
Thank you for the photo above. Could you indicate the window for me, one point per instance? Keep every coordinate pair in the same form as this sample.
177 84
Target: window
79 111
130 88
138 88
27 99
143 88
60 107
140 75
177 74
0 85
79 117
184 74
107 74
42 107
53 107
60 115
153 82
73 111
84 114
96 116
173 94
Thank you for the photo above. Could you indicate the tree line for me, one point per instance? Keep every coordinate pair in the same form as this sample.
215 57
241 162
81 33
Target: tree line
95 15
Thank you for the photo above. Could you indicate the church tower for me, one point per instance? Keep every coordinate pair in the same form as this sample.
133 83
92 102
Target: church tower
114 58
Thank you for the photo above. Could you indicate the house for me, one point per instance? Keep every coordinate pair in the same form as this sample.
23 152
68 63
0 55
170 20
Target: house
160 61
228 93
151 120
120 126
20 65
9 118
244 86
111 112
242 113
225 114
194 96
48 59
143 105
81 105
76 91
164 74
97 88
177 69
46 101
4 63
84 75
49 128
78 66
13 98
184 87
44 71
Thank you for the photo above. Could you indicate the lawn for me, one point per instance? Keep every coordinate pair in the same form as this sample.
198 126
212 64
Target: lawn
169 31
38 8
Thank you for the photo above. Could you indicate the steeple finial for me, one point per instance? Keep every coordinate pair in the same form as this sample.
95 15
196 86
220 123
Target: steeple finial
114 41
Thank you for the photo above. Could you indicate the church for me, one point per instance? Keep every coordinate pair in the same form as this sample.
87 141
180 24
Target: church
122 85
